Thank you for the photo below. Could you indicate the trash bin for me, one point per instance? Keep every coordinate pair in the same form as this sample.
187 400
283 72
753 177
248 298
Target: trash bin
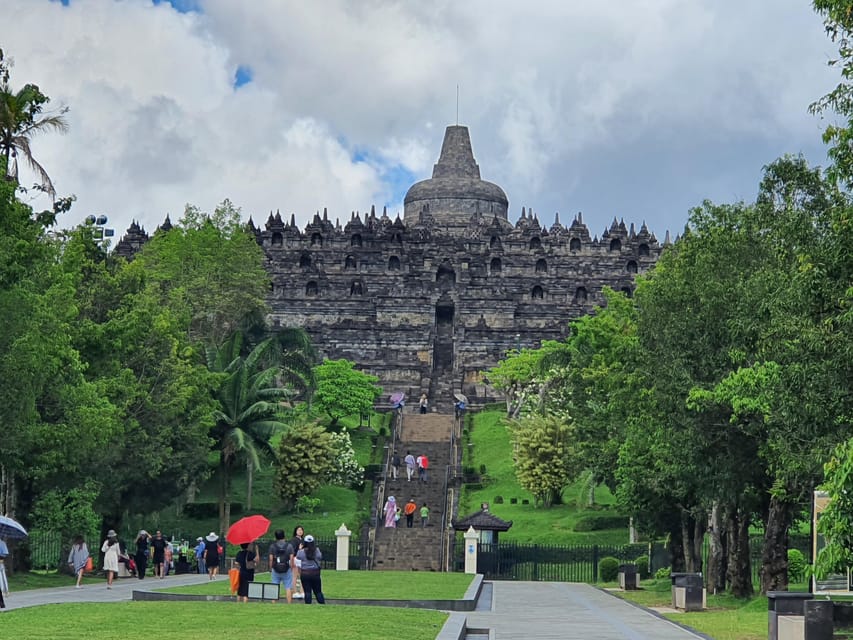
629 579
688 591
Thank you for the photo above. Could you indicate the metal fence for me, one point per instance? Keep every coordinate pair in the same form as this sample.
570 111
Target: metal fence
579 563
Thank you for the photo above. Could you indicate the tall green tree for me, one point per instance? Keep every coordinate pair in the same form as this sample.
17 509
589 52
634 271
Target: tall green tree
343 390
210 270
546 456
249 411
23 115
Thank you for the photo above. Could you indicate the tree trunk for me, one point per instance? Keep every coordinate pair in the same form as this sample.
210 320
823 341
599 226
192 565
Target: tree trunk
774 553
692 535
739 570
676 548
224 497
698 540
250 477
716 553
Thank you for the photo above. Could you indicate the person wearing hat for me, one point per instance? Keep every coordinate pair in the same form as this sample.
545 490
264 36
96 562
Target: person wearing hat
142 551
199 555
211 554
110 549
311 557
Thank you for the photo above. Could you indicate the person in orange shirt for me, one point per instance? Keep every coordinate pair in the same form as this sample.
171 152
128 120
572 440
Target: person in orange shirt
409 512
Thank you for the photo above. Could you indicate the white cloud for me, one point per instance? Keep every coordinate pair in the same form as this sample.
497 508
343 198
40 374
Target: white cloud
640 108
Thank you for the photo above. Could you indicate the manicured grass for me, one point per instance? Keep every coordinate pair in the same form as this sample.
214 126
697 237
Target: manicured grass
490 445
38 580
727 617
205 620
374 585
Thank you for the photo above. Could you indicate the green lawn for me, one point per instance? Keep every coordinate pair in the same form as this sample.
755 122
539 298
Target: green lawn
374 585
727 618
205 620
488 443
38 580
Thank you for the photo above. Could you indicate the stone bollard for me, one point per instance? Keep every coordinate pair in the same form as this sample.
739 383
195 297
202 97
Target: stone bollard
818 620
629 579
471 538
342 558
787 604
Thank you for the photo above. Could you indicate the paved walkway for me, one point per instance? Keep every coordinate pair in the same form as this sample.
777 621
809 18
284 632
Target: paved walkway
569 611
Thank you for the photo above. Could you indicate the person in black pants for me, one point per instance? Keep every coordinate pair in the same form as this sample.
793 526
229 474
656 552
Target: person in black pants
141 556
311 583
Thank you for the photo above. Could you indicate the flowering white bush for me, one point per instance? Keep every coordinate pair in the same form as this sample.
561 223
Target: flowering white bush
346 471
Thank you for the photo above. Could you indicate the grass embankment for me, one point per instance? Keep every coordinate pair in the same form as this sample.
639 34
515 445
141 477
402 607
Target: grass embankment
203 620
488 444
373 585
337 504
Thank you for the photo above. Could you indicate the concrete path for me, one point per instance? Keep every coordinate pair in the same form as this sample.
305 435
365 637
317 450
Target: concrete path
95 590
569 611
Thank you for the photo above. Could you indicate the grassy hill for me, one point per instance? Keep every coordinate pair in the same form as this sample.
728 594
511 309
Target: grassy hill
488 446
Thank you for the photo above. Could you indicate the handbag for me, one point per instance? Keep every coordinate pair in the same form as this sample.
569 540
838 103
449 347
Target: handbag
250 564
89 564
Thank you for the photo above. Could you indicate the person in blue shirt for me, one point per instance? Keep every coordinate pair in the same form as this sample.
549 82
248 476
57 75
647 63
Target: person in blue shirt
199 555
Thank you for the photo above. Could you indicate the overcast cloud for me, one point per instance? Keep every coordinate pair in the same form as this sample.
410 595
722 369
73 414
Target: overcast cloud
637 109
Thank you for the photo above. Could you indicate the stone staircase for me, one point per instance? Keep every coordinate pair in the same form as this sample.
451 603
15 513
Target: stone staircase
417 549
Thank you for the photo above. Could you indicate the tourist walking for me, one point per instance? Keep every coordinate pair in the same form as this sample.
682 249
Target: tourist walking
410 465
297 543
199 555
143 549
311 582
78 559
158 553
409 512
110 549
211 555
390 513
281 564
423 466
4 581
395 465
424 514
246 560
423 403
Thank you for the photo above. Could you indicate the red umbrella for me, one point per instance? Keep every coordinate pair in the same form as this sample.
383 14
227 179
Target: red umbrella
247 529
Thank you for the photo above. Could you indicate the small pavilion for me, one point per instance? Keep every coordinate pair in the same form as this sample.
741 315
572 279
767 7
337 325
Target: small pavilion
487 524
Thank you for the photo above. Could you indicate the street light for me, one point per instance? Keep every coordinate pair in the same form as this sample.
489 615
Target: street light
518 343
99 232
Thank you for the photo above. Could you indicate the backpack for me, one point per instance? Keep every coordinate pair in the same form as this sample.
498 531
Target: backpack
281 557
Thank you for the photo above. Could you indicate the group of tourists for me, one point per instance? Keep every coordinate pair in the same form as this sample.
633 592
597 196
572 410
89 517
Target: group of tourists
394 513
421 464
296 564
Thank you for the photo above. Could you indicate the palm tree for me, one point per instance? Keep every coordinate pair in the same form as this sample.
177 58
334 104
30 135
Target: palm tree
249 410
22 116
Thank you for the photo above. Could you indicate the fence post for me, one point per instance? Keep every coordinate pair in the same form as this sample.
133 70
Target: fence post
342 559
471 550
595 563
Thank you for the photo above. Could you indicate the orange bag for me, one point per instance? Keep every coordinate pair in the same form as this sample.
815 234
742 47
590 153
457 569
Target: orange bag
234 577
89 564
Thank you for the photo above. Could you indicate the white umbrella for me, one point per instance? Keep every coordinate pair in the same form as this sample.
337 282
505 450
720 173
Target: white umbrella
11 529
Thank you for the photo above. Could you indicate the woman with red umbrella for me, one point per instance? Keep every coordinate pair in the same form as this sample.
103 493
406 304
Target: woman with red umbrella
246 560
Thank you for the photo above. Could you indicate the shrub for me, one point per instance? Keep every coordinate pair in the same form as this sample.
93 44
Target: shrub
663 573
513 500
473 486
498 500
796 565
601 522
306 504
642 566
202 510
482 469
525 501
608 569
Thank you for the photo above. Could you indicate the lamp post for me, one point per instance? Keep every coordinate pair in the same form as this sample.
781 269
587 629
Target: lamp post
518 343
99 230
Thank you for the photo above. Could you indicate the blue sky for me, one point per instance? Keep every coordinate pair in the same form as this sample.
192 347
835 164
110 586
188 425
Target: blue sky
638 111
